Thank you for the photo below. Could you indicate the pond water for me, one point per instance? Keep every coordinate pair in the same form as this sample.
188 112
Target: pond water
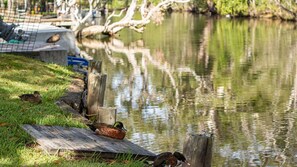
234 78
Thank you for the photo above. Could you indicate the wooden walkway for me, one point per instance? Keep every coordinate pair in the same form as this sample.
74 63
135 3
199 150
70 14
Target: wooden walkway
56 139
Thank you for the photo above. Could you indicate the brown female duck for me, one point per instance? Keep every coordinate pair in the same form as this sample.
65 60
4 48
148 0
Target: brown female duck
116 131
33 98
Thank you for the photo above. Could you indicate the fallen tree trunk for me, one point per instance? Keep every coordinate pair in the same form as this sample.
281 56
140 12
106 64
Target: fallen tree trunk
91 31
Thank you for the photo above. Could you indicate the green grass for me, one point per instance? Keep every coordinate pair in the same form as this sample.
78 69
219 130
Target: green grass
19 75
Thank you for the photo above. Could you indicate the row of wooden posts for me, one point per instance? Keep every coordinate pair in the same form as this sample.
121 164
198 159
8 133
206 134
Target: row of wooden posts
197 147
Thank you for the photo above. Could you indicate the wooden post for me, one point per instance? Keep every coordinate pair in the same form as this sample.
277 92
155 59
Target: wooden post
96 91
96 82
95 96
106 115
198 150
95 67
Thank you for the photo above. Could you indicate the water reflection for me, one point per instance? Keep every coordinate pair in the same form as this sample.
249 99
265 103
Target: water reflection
235 78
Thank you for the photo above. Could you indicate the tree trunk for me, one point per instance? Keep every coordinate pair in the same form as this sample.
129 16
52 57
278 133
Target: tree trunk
90 31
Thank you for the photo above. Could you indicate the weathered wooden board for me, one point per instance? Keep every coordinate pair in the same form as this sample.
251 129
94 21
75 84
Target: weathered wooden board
56 139
96 91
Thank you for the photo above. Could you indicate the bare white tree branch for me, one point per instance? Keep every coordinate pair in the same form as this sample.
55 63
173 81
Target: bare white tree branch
113 15
147 11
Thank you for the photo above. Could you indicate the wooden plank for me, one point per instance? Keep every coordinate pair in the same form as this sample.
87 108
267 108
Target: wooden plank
49 135
37 135
56 139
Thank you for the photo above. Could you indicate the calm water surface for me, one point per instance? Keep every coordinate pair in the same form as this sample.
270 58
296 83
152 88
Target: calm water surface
234 78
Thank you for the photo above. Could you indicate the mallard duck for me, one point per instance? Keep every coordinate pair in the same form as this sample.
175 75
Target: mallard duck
169 159
53 39
116 131
33 98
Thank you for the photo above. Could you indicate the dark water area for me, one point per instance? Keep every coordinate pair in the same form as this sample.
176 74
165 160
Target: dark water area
234 78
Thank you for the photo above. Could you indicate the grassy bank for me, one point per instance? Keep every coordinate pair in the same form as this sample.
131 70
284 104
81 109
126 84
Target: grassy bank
19 75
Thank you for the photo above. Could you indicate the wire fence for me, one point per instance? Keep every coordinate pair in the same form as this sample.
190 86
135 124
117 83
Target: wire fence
18 31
